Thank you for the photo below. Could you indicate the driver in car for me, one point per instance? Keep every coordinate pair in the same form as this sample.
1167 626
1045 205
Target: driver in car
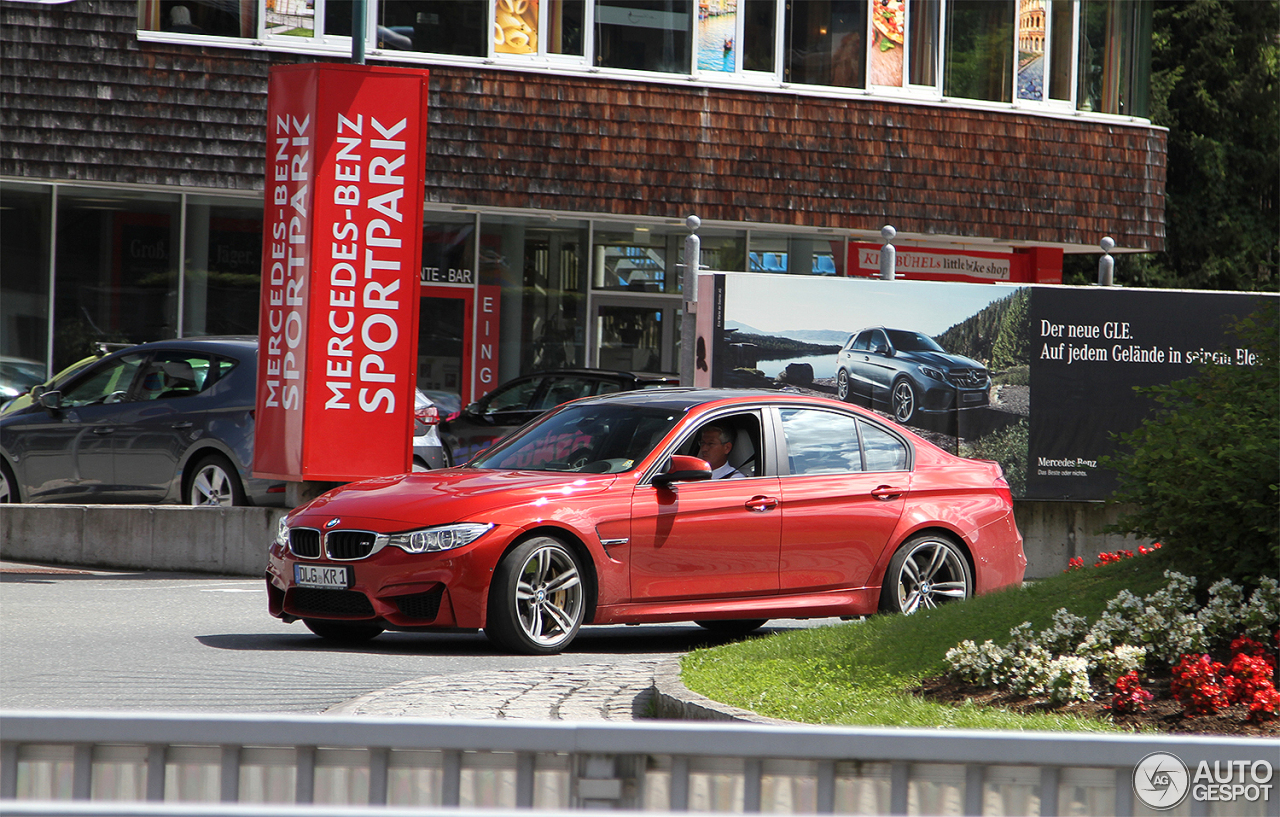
714 446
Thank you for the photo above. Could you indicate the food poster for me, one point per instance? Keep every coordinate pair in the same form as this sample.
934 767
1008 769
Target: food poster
888 22
515 27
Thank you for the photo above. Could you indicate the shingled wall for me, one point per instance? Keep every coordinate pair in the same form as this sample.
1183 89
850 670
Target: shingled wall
83 100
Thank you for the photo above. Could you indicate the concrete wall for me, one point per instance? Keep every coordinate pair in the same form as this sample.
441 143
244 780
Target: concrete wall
234 541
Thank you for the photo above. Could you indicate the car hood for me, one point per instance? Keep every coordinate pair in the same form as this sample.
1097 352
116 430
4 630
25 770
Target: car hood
942 361
444 496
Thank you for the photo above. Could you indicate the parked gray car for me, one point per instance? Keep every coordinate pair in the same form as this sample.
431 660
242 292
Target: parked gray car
908 373
170 421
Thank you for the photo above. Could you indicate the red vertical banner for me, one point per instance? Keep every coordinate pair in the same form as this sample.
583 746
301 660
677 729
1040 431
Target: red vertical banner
488 312
339 320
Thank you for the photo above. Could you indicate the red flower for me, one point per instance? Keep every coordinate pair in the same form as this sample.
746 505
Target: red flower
1130 696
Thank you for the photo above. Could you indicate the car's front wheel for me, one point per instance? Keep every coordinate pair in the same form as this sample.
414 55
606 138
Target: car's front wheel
538 599
343 632
214 483
928 570
902 401
8 485
842 385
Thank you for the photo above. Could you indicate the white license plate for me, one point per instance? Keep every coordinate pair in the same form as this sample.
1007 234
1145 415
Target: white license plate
972 397
333 578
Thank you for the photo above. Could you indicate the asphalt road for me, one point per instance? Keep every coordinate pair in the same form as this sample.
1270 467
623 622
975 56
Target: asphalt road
164 641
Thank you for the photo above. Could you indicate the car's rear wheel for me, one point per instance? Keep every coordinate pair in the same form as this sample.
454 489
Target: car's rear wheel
902 401
8 485
842 385
537 600
928 570
419 466
345 632
732 627
214 482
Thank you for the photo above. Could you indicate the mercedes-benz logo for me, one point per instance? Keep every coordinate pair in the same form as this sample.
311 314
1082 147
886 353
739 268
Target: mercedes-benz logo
332 522
1161 780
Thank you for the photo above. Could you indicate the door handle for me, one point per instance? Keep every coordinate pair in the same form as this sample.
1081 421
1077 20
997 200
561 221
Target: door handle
182 426
887 492
760 504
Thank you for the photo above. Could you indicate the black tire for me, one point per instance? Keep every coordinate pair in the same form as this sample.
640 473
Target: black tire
213 483
538 598
843 387
732 627
926 571
418 466
8 485
902 400
343 632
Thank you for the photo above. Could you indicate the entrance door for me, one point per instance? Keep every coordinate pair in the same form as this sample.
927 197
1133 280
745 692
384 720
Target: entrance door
636 333
444 340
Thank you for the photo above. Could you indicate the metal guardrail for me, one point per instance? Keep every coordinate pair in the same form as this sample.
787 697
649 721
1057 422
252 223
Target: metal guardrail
272 762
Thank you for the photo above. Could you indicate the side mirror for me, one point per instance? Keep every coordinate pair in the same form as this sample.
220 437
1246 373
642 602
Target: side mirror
51 400
683 469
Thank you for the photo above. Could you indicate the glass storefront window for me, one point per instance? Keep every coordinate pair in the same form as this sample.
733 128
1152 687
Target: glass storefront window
434 26
24 279
826 42
223 267
542 267
630 338
1115 57
117 270
214 18
644 35
797 255
759 35
979 54
923 20
633 262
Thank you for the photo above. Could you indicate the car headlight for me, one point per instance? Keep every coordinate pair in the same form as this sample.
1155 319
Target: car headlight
445 537
929 371
282 533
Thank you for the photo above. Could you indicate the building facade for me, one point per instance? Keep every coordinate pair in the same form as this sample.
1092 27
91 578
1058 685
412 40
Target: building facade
567 142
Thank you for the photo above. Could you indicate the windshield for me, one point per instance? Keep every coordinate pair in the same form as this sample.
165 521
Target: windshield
594 439
912 341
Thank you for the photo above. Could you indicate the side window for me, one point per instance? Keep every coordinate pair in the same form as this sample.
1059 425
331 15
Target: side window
742 451
105 384
879 341
177 374
516 397
863 343
884 452
608 387
563 389
821 442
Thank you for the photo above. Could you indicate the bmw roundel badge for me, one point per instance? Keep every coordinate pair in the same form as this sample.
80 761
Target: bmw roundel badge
332 522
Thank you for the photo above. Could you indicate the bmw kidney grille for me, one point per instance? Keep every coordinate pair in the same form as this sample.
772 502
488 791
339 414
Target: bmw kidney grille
339 545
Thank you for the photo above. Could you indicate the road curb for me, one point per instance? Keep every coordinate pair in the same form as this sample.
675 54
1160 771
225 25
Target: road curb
672 700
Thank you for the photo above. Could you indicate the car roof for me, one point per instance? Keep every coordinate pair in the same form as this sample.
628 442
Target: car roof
643 377
215 343
686 397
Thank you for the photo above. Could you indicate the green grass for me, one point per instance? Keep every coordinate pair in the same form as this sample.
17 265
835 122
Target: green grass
858 673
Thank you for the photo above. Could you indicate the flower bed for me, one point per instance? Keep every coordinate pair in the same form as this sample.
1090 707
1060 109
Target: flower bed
1160 662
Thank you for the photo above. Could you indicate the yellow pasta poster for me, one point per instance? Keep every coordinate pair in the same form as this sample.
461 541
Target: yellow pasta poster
515 26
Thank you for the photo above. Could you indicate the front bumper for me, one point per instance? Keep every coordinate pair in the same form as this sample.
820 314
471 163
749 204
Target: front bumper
394 589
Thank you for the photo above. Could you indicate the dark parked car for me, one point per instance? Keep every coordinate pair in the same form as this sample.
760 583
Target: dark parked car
170 421
518 401
909 373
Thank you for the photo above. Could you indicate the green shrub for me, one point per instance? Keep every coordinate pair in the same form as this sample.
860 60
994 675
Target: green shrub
1008 446
1019 375
1203 472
